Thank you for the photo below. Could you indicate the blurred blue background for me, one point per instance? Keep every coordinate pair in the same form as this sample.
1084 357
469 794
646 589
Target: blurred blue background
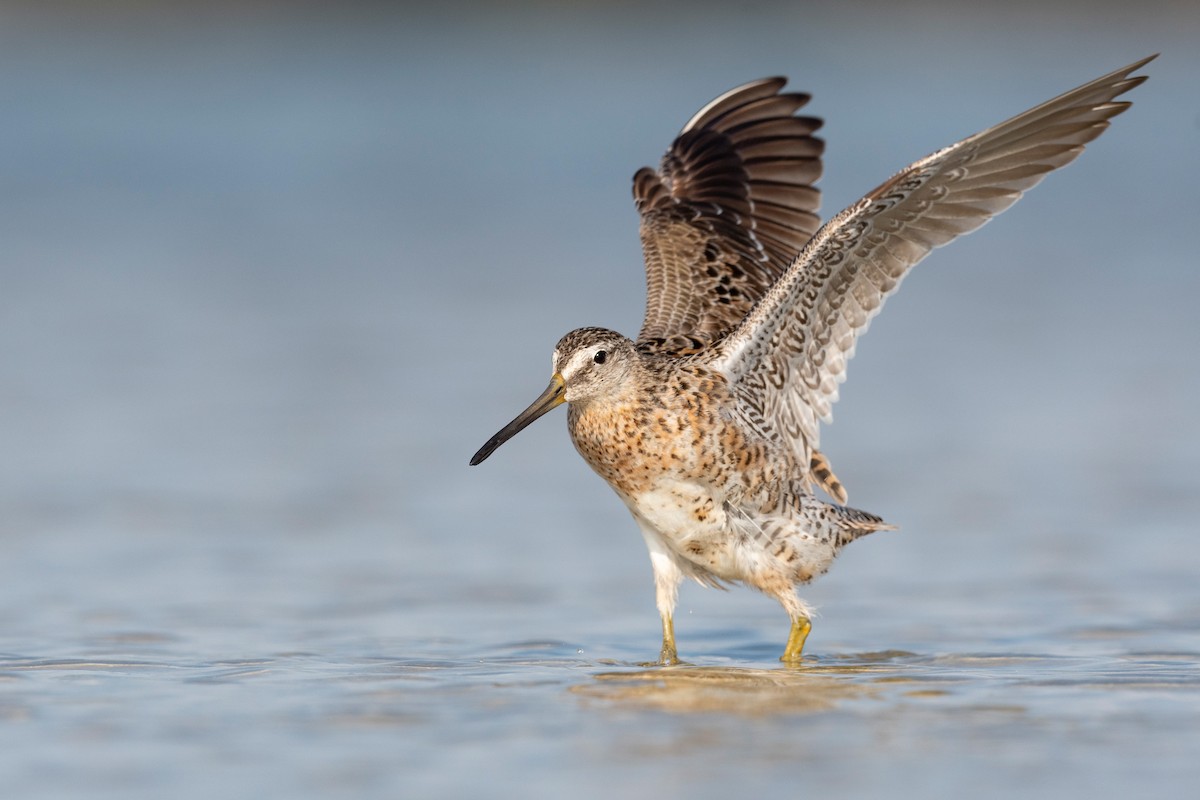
271 272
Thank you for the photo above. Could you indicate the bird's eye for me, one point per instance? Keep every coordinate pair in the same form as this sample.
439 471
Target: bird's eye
600 357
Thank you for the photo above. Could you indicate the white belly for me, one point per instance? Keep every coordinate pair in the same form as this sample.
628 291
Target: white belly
692 526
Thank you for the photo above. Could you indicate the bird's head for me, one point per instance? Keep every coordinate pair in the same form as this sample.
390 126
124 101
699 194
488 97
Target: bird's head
589 363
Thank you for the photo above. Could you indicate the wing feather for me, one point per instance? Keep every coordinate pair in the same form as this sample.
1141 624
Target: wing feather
730 207
788 357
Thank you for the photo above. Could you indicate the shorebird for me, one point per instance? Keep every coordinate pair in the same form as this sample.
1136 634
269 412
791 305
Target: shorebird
707 425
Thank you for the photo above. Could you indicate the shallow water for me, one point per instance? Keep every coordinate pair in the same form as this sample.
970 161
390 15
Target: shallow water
267 279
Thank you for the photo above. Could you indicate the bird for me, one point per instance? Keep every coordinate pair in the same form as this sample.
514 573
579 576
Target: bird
707 425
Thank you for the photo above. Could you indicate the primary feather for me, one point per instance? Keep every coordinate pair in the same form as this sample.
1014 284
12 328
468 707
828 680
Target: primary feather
725 214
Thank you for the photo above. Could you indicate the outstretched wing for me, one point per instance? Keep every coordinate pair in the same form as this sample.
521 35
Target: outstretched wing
728 210
788 357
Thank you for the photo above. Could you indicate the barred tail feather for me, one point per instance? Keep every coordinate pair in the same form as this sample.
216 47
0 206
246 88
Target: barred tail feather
822 476
853 523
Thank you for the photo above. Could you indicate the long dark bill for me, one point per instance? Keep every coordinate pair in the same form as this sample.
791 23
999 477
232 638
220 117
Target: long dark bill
553 396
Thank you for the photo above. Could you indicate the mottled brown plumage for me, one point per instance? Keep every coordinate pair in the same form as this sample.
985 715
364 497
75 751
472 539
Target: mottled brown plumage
707 425
732 204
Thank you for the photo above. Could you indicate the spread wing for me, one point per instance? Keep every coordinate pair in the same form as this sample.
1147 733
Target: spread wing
723 217
788 357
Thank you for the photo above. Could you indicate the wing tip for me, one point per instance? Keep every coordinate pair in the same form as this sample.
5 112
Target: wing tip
763 87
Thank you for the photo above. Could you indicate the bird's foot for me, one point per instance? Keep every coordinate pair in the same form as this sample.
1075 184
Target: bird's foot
668 657
795 642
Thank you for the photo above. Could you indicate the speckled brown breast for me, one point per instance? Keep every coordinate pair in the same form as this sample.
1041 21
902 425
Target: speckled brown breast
675 421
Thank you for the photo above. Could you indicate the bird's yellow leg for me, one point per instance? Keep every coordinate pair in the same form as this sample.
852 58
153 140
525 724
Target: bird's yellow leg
668 656
795 643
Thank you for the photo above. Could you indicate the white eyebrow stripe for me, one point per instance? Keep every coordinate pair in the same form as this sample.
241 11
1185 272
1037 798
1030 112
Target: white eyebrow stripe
578 361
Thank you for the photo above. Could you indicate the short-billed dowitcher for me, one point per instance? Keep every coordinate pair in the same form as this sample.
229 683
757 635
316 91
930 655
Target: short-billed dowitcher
707 425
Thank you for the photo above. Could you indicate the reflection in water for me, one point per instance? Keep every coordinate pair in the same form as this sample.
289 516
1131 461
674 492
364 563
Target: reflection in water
754 692
973 682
